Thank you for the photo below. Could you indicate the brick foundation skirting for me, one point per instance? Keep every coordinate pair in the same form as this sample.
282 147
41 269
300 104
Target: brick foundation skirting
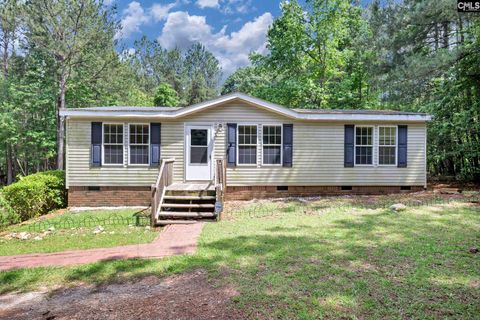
141 196
259 192
109 196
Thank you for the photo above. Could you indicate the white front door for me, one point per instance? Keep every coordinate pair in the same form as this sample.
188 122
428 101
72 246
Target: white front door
198 159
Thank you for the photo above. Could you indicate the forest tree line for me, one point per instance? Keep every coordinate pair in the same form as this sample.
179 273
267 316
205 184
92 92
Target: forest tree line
401 55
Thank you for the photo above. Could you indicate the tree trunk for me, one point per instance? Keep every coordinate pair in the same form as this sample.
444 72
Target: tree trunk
10 174
5 58
446 35
61 123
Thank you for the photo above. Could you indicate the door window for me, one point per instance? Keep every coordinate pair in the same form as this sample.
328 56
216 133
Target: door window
198 146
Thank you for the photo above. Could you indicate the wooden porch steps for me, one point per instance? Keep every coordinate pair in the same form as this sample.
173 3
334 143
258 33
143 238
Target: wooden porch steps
187 214
187 202
183 203
189 197
188 205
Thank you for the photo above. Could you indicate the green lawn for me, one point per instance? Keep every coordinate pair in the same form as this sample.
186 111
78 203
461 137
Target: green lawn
74 231
316 260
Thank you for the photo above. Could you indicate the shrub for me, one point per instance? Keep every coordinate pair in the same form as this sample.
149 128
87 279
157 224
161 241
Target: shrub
7 215
36 194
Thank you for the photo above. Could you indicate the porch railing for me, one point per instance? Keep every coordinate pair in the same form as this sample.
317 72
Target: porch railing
164 179
220 183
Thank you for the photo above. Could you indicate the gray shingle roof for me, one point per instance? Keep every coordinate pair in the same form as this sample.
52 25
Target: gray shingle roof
311 111
356 111
127 108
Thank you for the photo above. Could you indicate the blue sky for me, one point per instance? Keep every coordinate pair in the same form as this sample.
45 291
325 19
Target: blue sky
230 29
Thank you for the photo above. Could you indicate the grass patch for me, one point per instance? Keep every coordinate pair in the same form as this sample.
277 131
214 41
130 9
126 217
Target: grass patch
340 263
66 237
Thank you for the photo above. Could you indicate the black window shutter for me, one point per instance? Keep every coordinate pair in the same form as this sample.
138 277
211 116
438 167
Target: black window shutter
96 147
402 146
155 141
348 160
287 145
231 144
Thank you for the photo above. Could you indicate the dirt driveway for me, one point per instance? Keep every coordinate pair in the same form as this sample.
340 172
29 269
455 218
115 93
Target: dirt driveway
186 296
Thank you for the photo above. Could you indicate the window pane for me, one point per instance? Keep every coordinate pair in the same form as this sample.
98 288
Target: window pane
272 134
386 155
247 135
363 155
247 154
113 154
138 154
363 136
199 137
387 136
271 155
198 155
139 134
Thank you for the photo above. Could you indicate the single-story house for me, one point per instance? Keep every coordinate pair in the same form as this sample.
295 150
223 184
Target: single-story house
240 146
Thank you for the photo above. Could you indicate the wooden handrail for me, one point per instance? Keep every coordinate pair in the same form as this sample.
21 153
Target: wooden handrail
164 179
220 181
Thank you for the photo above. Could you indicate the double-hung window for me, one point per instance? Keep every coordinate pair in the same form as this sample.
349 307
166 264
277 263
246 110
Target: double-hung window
247 144
272 144
363 145
112 143
139 143
387 145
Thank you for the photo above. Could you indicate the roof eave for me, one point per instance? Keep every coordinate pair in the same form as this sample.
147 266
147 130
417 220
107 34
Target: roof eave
256 101
317 117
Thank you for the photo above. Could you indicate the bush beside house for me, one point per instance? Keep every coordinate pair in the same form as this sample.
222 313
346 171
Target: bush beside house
32 196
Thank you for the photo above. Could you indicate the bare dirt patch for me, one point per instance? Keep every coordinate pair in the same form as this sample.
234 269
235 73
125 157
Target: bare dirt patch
185 296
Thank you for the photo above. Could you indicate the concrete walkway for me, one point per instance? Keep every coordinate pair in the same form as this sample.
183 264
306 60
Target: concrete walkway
173 240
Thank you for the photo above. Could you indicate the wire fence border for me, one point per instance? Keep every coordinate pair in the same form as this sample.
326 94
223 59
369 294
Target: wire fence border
259 210
255 211
90 222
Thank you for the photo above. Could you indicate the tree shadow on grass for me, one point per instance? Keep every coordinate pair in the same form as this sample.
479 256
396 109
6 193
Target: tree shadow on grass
377 265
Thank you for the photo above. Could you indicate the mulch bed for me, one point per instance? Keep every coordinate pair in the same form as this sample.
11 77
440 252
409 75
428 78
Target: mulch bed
185 296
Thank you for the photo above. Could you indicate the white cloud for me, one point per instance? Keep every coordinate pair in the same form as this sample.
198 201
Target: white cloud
160 11
134 16
207 3
181 30
237 6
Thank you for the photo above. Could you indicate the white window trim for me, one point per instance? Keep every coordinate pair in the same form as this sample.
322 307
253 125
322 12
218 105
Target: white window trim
238 145
396 146
139 144
272 145
103 144
355 146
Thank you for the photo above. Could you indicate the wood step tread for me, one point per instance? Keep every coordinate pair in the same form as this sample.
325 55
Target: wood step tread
186 214
189 197
188 205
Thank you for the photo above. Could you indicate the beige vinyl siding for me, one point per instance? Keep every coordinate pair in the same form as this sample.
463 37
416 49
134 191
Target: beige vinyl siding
318 149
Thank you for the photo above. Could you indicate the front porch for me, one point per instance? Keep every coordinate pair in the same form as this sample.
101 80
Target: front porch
187 202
